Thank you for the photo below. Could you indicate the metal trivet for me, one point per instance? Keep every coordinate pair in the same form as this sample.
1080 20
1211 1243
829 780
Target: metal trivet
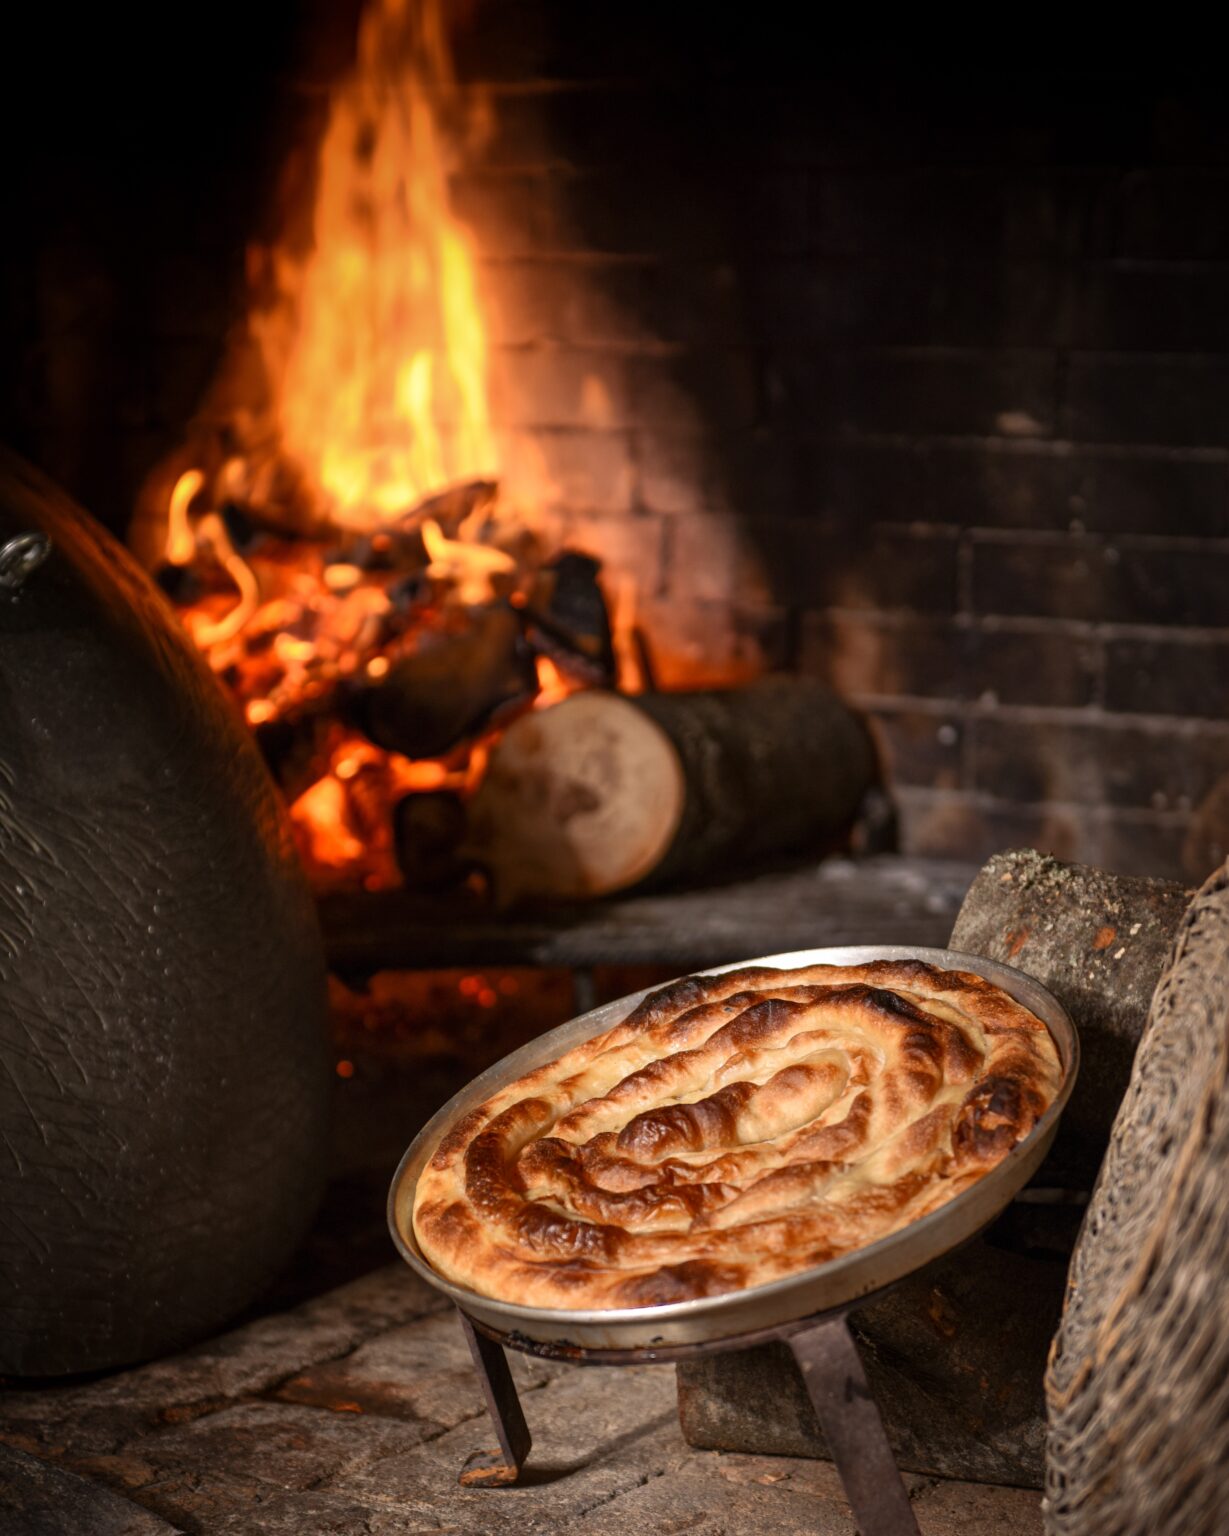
831 1369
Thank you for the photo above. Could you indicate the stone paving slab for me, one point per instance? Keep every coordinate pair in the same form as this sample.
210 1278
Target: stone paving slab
282 1444
974 1509
719 1494
352 1415
420 1373
39 1499
716 1494
104 1414
188 1499
327 1514
597 1433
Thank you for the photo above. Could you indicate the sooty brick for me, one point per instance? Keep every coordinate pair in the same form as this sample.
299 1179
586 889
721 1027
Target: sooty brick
922 391
1148 398
1097 763
1116 581
1179 676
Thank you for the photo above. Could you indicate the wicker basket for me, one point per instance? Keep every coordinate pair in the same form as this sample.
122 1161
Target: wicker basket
1138 1384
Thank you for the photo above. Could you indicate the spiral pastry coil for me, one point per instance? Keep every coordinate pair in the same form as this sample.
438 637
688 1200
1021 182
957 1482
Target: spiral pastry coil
734 1129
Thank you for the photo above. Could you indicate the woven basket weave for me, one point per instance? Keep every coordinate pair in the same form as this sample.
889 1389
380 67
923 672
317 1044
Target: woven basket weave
1138 1384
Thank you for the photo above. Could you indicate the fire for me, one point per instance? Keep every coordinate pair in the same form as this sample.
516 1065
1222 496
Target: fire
552 684
471 566
352 518
209 538
377 352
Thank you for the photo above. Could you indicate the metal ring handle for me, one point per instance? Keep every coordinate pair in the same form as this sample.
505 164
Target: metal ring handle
20 557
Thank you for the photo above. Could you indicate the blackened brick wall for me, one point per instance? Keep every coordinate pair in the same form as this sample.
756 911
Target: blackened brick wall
918 381
953 362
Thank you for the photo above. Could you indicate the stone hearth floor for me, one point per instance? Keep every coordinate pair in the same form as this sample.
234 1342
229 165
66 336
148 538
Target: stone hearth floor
352 1413
346 1406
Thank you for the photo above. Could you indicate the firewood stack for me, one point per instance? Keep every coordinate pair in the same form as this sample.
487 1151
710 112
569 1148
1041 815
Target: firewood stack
440 702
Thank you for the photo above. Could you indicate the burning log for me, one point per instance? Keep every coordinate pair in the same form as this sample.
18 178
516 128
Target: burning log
296 748
451 506
567 619
448 689
603 792
397 545
456 682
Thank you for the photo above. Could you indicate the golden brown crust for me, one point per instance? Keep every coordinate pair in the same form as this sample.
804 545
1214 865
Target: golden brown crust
734 1129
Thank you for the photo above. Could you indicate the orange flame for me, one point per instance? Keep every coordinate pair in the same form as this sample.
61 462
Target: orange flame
378 357
470 566
180 540
211 539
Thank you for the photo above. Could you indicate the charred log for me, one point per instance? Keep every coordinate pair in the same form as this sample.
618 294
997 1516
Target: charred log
296 748
449 688
568 622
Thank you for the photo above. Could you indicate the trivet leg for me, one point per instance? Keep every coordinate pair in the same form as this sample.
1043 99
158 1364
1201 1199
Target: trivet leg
504 1407
836 1383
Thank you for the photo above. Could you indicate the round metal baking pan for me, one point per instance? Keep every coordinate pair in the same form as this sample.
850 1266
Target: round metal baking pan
827 1286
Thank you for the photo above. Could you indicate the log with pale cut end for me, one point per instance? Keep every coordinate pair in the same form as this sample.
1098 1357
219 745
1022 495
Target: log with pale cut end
601 793
578 800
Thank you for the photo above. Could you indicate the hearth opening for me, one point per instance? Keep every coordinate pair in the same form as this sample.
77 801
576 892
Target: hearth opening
364 532
907 382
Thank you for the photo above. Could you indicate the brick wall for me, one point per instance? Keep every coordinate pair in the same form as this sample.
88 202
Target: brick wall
923 388
918 383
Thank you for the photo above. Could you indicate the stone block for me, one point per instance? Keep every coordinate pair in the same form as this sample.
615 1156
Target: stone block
1110 581
920 746
597 1433
953 1360
916 391
1164 766
872 569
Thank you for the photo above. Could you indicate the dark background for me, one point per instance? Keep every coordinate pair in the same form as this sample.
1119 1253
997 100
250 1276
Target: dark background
954 343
